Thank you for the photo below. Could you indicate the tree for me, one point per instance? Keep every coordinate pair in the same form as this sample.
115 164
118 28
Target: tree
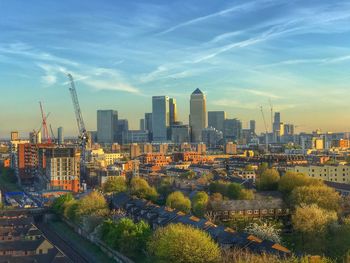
292 180
70 210
92 204
218 187
311 218
233 190
165 187
322 195
178 201
310 223
338 242
216 197
261 168
114 184
264 230
268 180
183 244
126 236
189 175
246 194
58 203
199 203
141 189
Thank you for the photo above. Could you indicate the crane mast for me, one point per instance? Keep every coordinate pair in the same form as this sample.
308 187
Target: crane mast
266 131
46 134
83 138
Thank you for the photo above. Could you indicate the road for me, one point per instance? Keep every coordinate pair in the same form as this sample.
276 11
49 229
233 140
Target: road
64 245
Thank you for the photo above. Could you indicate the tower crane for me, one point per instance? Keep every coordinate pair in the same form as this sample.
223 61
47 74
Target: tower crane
266 131
83 137
271 109
46 134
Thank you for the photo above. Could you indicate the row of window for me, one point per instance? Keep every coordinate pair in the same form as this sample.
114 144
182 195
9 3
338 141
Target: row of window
255 212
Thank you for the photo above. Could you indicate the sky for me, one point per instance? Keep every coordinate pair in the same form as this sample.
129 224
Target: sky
242 54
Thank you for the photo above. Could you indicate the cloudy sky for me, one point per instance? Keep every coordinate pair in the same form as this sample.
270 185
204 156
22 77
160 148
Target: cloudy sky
240 53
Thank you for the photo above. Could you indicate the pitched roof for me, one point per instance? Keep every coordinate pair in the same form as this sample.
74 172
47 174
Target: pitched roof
197 91
272 203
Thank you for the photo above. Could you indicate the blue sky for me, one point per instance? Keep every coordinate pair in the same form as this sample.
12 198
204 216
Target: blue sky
240 53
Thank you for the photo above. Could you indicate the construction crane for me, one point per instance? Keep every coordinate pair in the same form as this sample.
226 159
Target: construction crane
83 137
52 134
46 134
266 131
271 109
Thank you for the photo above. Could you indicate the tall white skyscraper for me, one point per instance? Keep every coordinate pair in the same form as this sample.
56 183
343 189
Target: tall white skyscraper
160 118
106 125
198 115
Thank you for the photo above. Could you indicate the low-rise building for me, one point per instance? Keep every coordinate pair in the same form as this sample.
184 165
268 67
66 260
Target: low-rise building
332 173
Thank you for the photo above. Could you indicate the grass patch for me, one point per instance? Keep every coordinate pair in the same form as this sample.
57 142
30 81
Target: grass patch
81 243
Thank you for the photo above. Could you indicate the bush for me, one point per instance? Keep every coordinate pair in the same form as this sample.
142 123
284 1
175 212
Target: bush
115 184
178 201
177 243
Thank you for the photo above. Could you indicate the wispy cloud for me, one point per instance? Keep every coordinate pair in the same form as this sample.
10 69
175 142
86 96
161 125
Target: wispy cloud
22 49
238 8
263 93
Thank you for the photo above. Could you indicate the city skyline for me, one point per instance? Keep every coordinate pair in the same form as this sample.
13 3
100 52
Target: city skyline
296 56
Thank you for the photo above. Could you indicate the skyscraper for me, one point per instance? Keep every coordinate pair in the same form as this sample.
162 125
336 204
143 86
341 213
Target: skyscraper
216 119
160 118
277 127
122 129
60 136
252 127
106 125
142 124
198 115
172 111
232 129
148 125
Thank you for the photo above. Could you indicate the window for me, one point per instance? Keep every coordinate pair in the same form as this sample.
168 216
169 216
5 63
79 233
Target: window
264 211
249 212
279 211
256 212
271 211
233 212
241 212
225 213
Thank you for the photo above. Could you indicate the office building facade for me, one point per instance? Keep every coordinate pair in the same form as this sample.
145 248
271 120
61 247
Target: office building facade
106 125
198 115
160 118
216 119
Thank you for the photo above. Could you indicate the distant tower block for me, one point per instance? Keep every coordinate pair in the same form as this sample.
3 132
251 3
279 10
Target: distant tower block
14 136
60 135
134 150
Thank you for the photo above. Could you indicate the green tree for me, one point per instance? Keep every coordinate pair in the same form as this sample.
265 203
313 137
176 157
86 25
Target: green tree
58 203
115 184
199 203
92 204
70 210
165 187
183 244
268 180
218 187
233 190
246 194
249 167
310 223
261 168
338 242
178 201
126 236
142 189
292 180
216 197
325 197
